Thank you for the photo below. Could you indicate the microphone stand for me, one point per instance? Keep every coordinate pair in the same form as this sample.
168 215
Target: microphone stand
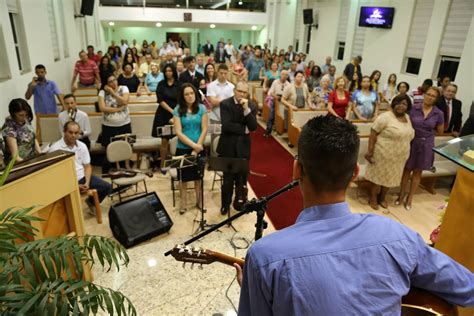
257 205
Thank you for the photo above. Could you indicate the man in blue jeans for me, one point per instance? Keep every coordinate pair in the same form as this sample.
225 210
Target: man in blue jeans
86 180
276 91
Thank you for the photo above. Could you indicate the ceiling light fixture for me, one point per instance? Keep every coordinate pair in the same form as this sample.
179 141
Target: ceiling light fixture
111 23
212 26
158 24
177 5
241 2
254 27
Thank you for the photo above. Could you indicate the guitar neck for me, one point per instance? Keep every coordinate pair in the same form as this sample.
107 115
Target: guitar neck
223 258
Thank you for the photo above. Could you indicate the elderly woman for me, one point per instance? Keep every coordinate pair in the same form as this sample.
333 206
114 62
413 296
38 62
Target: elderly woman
113 103
296 95
320 94
152 79
190 122
364 101
388 150
18 133
427 120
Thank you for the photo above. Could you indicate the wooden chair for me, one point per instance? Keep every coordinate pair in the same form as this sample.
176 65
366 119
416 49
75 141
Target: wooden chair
98 209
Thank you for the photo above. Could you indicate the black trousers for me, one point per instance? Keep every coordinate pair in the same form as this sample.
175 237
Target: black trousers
227 189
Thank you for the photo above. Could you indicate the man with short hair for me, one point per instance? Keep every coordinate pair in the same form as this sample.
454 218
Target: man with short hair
163 49
87 71
275 92
291 53
168 60
123 46
219 90
91 55
327 64
238 118
353 67
44 92
144 68
444 81
69 142
220 55
246 54
334 262
418 94
292 71
191 75
136 45
451 108
208 48
200 64
332 75
229 48
255 65
71 113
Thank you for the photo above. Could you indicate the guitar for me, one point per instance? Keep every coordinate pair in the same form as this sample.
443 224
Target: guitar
416 302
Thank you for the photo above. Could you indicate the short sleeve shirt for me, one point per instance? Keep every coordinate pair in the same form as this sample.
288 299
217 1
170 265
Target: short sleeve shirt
86 71
153 81
191 125
117 118
81 155
365 103
44 97
24 135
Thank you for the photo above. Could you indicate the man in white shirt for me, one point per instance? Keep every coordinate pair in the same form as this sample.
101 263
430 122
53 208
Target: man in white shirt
229 48
71 113
69 142
200 64
325 67
123 46
145 67
218 90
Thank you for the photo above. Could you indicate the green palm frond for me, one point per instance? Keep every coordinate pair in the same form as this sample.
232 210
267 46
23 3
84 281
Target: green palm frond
45 276
63 297
6 171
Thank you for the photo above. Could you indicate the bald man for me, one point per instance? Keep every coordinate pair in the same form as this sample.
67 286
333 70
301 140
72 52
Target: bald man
238 119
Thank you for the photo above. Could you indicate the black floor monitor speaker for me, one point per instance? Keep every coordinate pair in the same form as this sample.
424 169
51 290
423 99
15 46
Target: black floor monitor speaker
139 219
308 16
87 7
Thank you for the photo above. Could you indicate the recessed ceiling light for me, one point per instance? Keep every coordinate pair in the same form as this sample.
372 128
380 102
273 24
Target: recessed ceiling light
177 5
212 26
158 24
111 23
241 2
254 27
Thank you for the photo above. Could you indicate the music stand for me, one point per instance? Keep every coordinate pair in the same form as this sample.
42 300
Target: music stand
229 165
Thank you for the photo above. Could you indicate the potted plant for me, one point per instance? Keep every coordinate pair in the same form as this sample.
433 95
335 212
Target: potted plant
46 276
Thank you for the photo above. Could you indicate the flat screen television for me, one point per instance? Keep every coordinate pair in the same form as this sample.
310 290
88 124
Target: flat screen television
381 17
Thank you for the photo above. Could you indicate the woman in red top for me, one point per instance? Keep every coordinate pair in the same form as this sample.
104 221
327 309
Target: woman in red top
339 100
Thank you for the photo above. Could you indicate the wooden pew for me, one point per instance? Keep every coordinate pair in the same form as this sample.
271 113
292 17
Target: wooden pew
296 121
133 98
132 107
258 97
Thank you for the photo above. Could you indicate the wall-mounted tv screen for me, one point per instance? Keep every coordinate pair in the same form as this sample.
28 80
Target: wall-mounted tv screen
381 17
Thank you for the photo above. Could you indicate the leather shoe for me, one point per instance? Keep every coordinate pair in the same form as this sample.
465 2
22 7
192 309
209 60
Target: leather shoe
224 211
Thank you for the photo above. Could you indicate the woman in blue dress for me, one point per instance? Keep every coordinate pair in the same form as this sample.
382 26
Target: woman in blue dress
190 122
365 101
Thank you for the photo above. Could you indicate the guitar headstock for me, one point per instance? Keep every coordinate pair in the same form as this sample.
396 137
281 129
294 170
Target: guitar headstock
192 254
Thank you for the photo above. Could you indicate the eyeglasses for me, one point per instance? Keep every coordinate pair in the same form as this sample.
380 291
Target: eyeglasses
241 91
431 95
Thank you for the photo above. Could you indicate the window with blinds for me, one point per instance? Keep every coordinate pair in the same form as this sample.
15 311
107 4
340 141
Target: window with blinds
342 29
53 29
359 34
19 37
457 27
4 64
63 29
298 21
419 28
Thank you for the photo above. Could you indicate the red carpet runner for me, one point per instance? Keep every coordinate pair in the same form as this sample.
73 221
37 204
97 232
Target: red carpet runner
270 158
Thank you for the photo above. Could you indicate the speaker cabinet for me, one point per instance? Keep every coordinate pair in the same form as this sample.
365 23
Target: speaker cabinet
87 7
308 16
139 219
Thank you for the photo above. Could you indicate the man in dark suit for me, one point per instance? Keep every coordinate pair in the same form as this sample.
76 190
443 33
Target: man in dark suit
208 48
451 108
353 67
191 75
238 118
220 54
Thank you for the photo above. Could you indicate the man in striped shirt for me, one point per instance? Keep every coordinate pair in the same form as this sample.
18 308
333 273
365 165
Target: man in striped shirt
88 73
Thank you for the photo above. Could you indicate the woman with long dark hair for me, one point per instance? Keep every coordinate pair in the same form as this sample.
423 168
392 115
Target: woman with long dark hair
18 132
314 78
167 98
190 122
106 69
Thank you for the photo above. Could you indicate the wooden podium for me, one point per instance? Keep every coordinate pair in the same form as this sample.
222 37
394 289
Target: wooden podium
48 182
456 237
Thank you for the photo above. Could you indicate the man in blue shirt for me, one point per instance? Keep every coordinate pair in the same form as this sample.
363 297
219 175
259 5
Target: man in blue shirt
255 65
44 92
333 262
